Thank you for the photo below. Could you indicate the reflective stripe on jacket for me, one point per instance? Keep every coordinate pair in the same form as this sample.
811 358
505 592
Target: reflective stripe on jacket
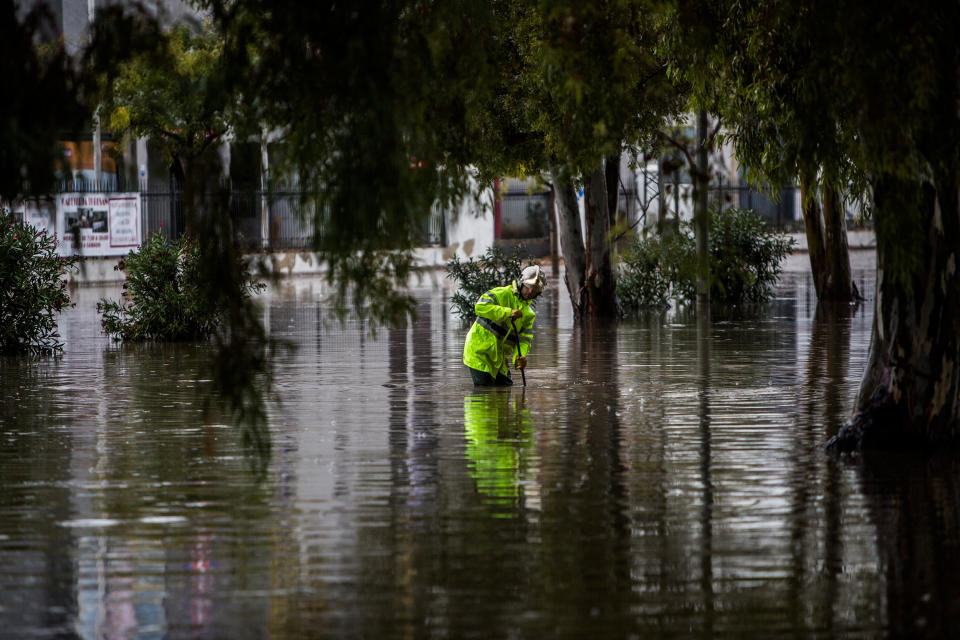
491 343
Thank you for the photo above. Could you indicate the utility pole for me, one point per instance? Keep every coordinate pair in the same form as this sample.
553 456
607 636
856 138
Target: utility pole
97 152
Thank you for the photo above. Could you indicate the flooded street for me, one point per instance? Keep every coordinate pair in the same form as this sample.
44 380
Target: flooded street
661 478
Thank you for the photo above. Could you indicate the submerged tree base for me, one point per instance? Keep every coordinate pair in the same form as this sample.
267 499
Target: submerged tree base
877 426
882 425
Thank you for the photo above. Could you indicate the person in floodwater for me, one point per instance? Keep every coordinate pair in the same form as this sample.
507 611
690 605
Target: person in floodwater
502 313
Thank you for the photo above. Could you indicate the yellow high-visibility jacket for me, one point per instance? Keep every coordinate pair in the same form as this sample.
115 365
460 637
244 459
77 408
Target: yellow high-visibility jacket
491 340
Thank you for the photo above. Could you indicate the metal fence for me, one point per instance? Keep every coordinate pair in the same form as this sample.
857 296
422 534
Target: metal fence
525 214
781 208
287 225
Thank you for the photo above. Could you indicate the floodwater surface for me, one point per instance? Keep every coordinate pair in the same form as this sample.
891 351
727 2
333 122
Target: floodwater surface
660 478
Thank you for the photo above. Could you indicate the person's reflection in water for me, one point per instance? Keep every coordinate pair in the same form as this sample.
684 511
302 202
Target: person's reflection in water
499 437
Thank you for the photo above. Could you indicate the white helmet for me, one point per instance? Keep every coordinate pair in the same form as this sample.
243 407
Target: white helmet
534 278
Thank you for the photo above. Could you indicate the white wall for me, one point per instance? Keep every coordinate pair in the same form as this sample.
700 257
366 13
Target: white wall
469 231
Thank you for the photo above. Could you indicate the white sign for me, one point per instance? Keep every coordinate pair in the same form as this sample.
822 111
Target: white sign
107 224
98 224
125 222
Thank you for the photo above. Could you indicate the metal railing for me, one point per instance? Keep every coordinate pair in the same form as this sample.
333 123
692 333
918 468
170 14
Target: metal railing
288 224
780 209
525 215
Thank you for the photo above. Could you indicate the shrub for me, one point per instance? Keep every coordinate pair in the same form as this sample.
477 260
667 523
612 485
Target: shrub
164 297
745 256
744 263
32 288
647 269
495 268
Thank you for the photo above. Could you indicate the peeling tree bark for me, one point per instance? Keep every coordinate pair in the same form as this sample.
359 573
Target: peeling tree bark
588 269
813 226
571 238
910 392
839 279
598 297
612 179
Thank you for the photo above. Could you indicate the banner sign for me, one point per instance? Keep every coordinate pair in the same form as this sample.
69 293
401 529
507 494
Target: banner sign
88 224
86 229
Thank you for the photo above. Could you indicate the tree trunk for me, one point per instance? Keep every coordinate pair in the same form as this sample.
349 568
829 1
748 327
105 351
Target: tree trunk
910 392
839 284
612 179
588 269
813 225
571 237
554 234
826 229
598 297
665 224
701 214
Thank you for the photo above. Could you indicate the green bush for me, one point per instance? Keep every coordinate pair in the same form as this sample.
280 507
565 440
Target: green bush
744 262
745 256
647 268
495 268
32 288
165 298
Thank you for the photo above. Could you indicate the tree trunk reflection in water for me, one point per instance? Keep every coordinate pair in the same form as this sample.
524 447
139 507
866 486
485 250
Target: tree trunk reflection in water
399 572
706 514
824 402
913 504
423 445
588 530
392 576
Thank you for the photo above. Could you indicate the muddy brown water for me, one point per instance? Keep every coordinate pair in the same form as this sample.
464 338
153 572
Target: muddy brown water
663 478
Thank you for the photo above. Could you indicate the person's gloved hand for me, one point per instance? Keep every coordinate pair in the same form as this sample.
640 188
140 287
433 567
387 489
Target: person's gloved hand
521 362
516 314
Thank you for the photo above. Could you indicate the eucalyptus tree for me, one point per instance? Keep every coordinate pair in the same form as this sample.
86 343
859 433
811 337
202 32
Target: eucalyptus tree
870 96
591 85
788 128
689 42
174 86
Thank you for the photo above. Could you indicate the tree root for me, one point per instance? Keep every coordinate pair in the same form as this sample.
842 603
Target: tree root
877 426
